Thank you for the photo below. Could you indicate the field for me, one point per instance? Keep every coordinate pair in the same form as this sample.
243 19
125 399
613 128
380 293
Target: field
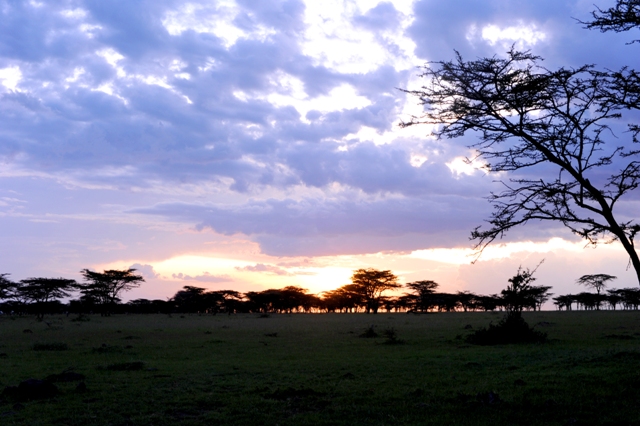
315 369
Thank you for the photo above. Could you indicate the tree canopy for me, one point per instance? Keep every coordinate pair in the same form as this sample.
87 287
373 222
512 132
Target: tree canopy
595 281
371 283
624 16
528 118
105 287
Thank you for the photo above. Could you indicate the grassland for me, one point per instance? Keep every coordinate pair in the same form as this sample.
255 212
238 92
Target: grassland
314 369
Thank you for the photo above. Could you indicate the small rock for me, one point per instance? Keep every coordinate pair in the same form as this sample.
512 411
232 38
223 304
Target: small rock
27 331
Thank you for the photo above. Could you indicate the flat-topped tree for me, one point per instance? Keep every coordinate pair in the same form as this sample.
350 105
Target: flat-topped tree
371 283
423 291
107 286
595 281
40 291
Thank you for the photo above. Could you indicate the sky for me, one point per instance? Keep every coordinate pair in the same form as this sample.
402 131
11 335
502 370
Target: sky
250 145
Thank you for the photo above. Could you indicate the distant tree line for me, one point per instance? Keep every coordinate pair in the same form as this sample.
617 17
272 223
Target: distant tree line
101 291
626 298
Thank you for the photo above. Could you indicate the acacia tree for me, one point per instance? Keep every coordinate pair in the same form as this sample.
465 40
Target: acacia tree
423 291
595 281
6 287
105 287
40 291
529 118
624 16
371 283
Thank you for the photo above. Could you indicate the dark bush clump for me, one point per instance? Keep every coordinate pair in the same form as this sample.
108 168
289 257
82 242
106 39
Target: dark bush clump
106 349
126 366
30 389
369 333
65 376
50 347
392 337
81 318
511 329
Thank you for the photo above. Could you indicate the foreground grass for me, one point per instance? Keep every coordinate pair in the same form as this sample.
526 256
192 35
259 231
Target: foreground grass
314 369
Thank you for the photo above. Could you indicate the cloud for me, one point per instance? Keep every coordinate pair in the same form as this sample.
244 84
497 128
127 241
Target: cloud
274 120
206 277
146 270
309 227
261 267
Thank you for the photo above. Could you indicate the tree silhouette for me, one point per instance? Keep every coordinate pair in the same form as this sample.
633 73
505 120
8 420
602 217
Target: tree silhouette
529 120
346 298
105 287
371 283
597 282
40 291
518 295
190 299
624 16
6 287
423 294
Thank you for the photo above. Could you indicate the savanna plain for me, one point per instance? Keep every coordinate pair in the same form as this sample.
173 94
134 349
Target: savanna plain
309 369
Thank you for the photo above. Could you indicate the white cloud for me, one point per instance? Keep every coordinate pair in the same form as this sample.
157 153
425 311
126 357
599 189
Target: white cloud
460 256
261 267
332 39
10 77
288 90
216 20
205 277
524 36
74 13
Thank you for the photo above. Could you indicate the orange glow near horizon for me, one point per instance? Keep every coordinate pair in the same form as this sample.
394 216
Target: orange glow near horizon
451 267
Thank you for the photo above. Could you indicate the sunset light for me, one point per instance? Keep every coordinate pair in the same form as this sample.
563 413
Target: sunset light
230 146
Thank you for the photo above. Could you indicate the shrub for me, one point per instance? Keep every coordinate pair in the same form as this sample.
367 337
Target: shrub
369 333
511 329
392 337
126 366
50 347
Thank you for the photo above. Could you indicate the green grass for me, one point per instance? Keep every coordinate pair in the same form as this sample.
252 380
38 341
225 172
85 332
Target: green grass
315 369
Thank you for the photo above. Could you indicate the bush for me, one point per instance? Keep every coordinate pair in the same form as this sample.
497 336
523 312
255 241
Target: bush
50 347
369 333
126 366
511 329
392 337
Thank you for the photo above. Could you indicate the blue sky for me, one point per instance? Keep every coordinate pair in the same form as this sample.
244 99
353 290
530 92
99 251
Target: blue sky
252 144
